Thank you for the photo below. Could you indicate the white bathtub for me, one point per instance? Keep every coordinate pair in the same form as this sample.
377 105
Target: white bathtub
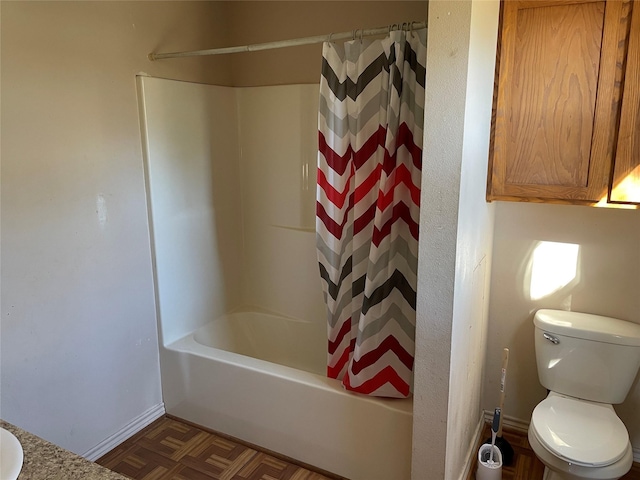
252 375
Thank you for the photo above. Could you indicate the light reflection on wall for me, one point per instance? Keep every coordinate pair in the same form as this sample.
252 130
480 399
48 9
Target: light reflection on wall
628 189
554 265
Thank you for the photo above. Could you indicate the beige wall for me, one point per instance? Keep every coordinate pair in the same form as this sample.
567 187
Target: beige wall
256 22
607 283
79 345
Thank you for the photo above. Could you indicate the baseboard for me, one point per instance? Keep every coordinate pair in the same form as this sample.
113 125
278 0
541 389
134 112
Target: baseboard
471 455
523 426
513 423
130 429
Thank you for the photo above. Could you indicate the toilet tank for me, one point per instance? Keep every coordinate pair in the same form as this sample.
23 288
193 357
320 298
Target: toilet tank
586 356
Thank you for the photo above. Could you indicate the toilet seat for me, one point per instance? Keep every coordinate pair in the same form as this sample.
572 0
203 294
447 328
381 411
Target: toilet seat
578 431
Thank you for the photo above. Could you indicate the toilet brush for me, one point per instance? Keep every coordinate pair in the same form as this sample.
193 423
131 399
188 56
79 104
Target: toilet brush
494 432
489 456
503 445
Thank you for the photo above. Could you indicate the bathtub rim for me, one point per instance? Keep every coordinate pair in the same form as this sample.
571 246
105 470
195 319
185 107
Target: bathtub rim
189 345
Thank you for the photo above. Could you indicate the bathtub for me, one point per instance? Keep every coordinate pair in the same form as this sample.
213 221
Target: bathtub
254 376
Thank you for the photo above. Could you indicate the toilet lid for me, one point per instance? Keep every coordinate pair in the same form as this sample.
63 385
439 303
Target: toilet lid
581 432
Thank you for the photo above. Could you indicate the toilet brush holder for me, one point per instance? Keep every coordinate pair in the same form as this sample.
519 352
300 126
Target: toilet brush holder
487 469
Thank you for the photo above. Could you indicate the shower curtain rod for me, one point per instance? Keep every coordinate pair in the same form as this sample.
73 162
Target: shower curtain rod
294 42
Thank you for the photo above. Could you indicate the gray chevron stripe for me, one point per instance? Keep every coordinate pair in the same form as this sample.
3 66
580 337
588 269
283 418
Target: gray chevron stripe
398 247
361 253
342 125
394 313
409 104
395 283
348 88
348 296
334 285
374 67
334 257
337 312
349 53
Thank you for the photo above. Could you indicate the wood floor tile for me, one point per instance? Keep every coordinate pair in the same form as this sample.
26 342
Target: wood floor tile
170 449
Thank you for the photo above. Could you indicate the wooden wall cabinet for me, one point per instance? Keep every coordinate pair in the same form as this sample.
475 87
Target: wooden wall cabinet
566 124
626 169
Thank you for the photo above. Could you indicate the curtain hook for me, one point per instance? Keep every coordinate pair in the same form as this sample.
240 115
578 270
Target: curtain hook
353 34
329 39
361 33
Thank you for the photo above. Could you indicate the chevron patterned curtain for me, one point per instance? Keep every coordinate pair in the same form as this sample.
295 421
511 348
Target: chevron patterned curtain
368 207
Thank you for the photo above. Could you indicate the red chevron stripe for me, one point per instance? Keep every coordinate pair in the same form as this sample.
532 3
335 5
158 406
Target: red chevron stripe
339 163
386 375
344 330
334 372
400 212
333 195
336 162
330 224
401 175
365 219
388 344
370 147
404 138
370 182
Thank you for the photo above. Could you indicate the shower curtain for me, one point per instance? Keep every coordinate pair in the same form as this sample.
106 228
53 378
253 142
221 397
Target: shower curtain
368 195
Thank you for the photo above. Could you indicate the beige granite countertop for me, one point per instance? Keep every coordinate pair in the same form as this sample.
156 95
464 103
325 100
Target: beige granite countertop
45 461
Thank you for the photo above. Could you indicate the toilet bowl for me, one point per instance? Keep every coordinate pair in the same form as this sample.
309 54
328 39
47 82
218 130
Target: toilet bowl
577 439
587 363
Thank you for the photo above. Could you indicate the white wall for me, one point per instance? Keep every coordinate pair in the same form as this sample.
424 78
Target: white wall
278 128
192 163
79 354
455 237
232 200
608 275
474 247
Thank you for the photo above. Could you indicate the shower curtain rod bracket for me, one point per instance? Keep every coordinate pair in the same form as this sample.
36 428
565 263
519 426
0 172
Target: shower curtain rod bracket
410 26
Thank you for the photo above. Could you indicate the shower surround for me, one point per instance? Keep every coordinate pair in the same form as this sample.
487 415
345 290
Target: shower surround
230 178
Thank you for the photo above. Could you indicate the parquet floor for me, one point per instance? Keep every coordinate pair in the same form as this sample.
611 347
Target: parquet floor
526 465
170 449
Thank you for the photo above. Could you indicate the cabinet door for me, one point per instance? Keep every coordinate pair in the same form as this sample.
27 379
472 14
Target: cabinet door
626 173
554 115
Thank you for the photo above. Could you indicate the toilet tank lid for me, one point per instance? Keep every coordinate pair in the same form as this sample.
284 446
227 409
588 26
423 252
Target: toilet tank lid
588 327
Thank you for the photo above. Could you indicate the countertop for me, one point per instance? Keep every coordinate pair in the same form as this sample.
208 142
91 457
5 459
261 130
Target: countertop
45 461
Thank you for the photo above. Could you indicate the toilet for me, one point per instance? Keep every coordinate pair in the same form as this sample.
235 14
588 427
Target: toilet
588 363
